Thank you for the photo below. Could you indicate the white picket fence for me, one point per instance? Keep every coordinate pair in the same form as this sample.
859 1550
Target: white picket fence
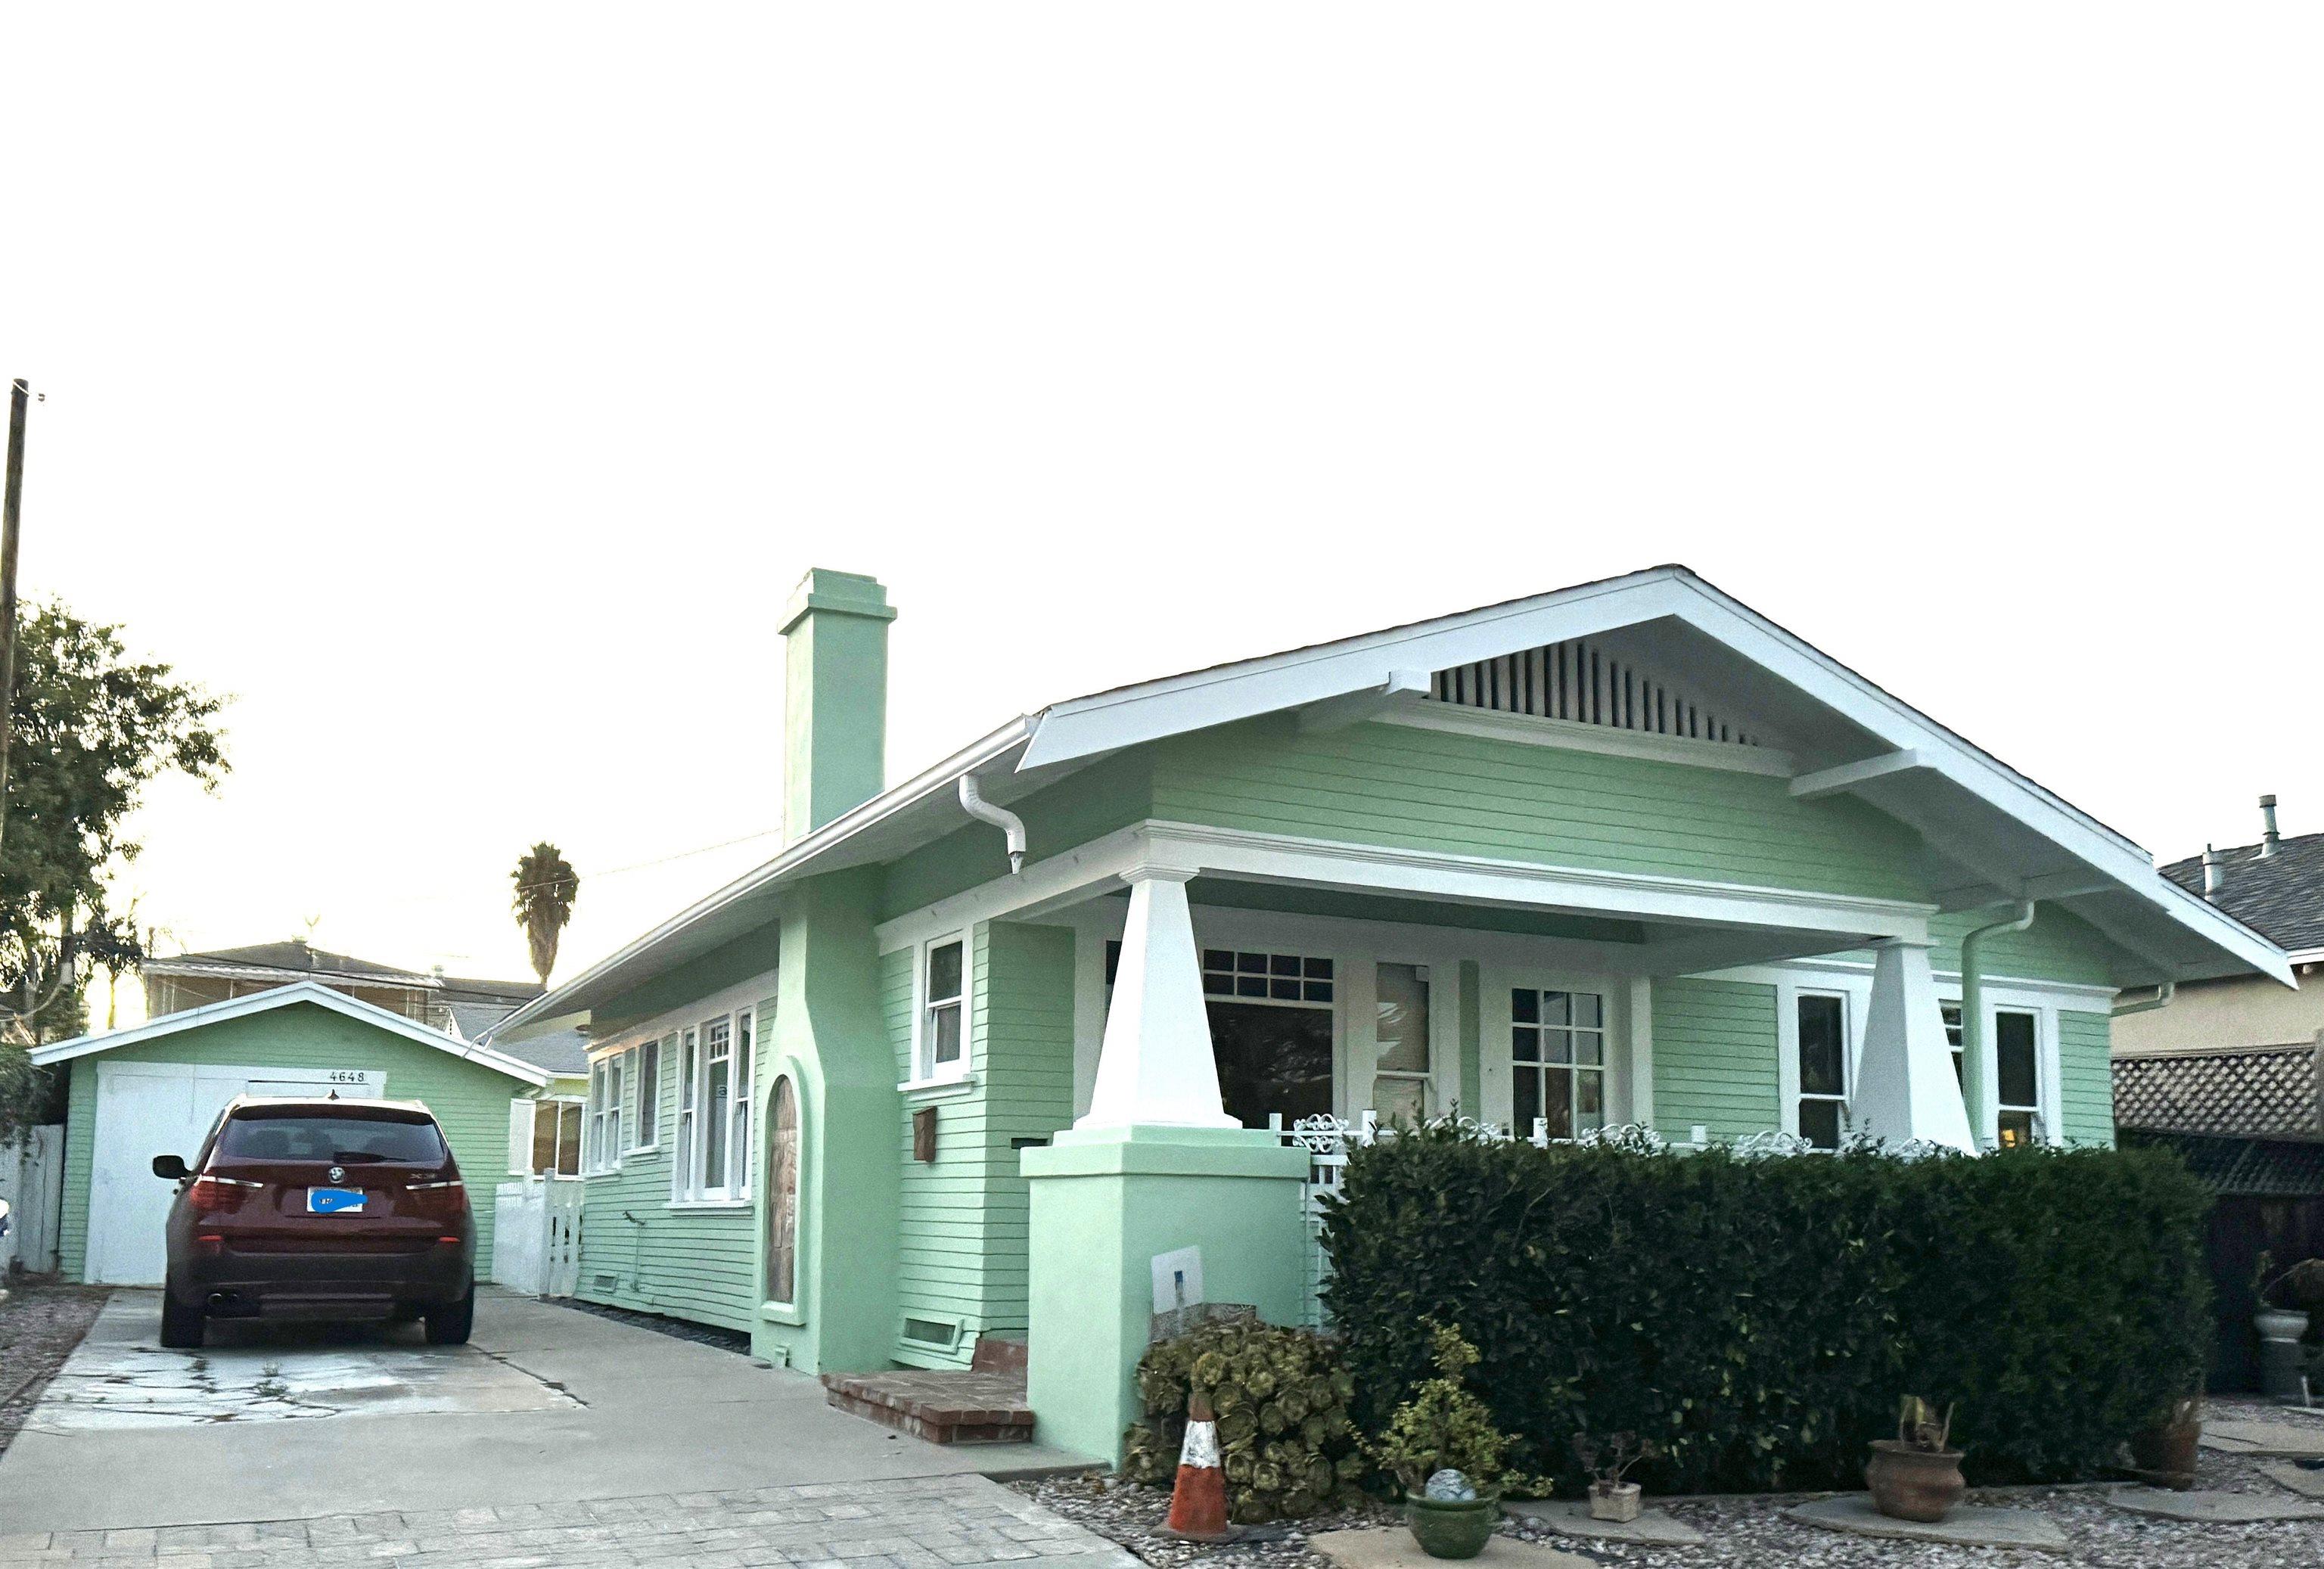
537 1234
32 1179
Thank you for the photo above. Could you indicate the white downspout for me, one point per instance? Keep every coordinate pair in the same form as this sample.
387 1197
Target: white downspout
1000 817
1979 1069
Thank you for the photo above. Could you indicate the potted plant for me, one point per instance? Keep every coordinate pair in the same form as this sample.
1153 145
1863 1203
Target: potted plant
1611 1498
1916 1475
1444 1449
2163 1452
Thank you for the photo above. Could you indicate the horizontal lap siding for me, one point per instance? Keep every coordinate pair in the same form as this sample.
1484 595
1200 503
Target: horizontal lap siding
1386 784
469 1101
2085 1078
695 1264
963 1228
1715 1058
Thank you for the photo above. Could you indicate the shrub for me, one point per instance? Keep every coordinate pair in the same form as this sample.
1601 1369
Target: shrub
1286 1442
1442 1425
1756 1320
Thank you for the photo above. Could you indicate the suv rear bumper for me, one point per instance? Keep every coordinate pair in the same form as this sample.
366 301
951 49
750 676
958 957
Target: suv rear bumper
318 1284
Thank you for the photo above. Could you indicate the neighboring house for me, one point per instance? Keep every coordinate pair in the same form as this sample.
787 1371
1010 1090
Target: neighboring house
971 1054
2275 886
156 1089
465 1007
545 1136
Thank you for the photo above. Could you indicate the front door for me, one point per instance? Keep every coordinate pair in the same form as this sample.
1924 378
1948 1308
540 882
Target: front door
1549 1055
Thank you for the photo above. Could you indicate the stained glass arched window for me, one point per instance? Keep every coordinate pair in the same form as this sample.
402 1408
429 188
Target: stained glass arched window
782 1191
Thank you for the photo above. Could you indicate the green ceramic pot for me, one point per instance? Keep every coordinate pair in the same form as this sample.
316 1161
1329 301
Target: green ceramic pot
1452 1530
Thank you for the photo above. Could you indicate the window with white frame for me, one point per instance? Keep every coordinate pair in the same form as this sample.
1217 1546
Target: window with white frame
1557 1061
604 1150
1401 1069
550 1134
2017 1070
1822 1053
711 1134
645 1094
941 1049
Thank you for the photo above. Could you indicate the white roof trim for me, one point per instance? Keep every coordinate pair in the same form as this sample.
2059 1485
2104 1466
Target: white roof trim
282 997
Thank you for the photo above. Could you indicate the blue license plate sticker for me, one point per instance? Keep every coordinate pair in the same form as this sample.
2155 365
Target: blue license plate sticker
335 1201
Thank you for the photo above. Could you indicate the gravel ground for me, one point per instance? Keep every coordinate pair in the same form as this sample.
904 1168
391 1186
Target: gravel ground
40 1323
675 1328
1752 1532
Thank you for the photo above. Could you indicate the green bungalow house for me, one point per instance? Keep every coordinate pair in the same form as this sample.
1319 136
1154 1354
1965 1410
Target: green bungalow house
979 1056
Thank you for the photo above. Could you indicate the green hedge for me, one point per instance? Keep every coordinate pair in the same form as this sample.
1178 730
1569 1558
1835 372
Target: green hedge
1759 1318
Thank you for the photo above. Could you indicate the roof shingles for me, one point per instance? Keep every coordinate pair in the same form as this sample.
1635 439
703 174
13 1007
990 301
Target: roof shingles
2281 896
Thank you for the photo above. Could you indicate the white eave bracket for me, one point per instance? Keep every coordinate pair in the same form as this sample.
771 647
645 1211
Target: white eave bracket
1355 707
1849 776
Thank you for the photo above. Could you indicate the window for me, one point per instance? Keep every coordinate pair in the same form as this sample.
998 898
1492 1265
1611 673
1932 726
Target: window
645 1092
556 1136
1400 1072
942 1050
710 1135
605 1142
1265 977
2018 1077
1823 1067
782 1192
2017 1071
1557 1061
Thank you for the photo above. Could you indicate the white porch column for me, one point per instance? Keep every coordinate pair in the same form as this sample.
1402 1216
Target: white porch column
1156 1067
1905 1083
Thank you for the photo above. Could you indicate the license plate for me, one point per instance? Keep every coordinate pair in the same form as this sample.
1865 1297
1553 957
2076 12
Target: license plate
335 1201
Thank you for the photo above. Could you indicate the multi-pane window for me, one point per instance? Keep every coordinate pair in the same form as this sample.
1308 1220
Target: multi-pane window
710 1129
1557 1061
556 1136
943 1046
682 1162
2018 1077
717 1089
1823 1067
1400 1072
738 1106
1265 977
605 1142
2017 1071
645 1078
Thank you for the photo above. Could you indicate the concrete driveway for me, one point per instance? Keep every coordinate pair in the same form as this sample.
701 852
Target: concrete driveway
546 1410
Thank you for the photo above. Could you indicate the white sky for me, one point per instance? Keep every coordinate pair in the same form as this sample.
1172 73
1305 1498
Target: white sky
462 388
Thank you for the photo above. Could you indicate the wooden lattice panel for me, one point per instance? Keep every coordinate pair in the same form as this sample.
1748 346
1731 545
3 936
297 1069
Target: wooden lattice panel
2267 1090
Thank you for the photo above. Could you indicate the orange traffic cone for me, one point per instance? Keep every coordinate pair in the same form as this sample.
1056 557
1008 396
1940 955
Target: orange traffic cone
1198 1503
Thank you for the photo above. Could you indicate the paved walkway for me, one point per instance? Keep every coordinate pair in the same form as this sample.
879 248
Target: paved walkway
933 1523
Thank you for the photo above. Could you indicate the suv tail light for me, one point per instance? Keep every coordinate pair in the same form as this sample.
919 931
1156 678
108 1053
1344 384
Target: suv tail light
444 1201
220 1194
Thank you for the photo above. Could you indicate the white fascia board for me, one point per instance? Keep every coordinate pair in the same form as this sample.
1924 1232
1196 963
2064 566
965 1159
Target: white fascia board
794 861
1906 729
311 992
1151 710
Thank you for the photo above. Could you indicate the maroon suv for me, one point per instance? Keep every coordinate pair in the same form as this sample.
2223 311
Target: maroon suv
319 1210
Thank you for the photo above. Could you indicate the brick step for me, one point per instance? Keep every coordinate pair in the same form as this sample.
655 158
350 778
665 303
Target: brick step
943 1408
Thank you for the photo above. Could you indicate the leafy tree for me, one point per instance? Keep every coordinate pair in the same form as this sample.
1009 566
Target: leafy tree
546 887
92 728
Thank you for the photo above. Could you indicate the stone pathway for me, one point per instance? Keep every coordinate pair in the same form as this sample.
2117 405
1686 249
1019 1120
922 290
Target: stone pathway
2276 1439
1968 1525
956 1522
1571 1517
2233 1509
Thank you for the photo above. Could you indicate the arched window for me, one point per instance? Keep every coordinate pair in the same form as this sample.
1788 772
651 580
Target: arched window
782 1191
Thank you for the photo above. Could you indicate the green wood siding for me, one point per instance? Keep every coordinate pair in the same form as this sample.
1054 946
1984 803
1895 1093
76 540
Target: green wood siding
1394 785
2085 1078
1715 1058
470 1102
963 1233
1108 795
691 1262
2058 947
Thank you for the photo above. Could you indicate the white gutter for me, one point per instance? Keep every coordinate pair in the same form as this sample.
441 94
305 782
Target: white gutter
870 813
2163 994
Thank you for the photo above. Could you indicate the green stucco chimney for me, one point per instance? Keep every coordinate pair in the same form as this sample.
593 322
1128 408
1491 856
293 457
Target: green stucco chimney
834 698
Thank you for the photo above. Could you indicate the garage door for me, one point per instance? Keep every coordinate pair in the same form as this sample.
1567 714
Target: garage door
145 1109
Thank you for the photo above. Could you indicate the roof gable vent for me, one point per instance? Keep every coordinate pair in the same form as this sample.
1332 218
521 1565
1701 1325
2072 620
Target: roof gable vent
1581 683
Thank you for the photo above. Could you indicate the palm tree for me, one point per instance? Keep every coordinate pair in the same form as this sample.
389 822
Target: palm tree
545 889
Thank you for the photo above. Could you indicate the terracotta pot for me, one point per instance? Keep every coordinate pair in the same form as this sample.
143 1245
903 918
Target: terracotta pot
2165 1452
1614 1501
1914 1484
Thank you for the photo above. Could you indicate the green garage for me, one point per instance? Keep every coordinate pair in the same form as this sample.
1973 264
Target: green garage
156 1089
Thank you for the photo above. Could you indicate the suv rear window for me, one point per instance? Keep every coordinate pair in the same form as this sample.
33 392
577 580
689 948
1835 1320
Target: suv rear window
342 1139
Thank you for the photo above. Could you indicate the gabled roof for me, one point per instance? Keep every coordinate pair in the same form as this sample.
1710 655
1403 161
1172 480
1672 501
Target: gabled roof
308 992
2280 894
296 959
1996 833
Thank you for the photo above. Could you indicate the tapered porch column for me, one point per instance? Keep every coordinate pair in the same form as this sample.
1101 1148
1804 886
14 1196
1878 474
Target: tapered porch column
1905 1083
1155 1167
1156 1067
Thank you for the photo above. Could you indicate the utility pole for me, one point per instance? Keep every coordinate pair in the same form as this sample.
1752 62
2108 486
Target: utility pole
20 397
